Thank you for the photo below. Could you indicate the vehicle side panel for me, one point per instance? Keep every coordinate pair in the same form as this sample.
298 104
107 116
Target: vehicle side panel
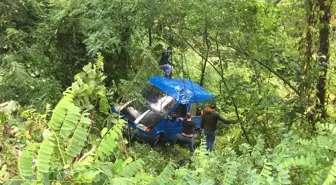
197 120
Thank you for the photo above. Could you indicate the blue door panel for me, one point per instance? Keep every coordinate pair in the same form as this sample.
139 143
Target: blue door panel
170 128
197 120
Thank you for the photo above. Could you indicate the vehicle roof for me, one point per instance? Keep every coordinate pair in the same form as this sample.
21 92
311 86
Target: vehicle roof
183 90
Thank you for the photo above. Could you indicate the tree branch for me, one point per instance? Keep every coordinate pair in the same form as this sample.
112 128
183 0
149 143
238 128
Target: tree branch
226 86
267 67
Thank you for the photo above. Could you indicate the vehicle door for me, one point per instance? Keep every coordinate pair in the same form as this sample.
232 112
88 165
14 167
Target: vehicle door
173 124
196 116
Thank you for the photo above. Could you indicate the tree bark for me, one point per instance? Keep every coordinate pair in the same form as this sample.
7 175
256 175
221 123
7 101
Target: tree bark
323 54
305 67
123 56
305 80
203 68
207 46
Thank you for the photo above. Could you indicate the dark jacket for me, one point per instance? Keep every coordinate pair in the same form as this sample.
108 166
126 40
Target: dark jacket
165 58
210 118
188 127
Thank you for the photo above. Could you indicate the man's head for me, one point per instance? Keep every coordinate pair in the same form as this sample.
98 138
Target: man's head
188 115
213 105
170 49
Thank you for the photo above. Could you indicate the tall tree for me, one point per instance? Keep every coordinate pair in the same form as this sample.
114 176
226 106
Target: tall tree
323 53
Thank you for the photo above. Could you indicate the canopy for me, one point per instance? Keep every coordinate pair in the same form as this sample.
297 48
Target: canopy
183 90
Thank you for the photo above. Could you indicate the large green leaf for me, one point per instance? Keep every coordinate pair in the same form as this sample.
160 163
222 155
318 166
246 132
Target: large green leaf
45 153
79 137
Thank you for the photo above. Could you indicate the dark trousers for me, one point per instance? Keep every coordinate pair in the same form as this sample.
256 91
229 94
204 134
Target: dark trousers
188 140
210 139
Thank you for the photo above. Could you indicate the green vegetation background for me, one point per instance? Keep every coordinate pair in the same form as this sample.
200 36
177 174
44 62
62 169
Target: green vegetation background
64 63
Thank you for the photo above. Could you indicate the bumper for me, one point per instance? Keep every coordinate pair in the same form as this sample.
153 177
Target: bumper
145 138
133 133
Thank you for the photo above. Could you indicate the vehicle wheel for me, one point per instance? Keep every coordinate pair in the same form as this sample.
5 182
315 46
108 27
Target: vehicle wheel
156 139
127 132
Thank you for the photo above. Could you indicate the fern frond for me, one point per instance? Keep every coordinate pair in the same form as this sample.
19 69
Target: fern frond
331 128
121 181
332 175
130 169
200 156
245 148
283 176
45 153
70 121
79 137
258 150
166 176
25 162
315 178
60 111
327 142
301 161
231 172
190 178
265 176
109 142
306 142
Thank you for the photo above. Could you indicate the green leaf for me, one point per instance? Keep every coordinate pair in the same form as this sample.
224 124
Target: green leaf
79 137
103 132
44 157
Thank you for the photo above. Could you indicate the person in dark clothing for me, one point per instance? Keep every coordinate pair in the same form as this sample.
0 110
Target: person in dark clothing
166 64
187 136
209 124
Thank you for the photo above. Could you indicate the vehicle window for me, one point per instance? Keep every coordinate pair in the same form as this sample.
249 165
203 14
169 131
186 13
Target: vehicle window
195 109
151 119
136 109
181 110
158 100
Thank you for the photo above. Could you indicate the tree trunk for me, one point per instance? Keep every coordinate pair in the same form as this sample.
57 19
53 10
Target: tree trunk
305 80
124 55
207 46
9 16
323 53
305 67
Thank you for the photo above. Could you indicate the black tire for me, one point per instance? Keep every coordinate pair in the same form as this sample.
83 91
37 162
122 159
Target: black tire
127 132
156 139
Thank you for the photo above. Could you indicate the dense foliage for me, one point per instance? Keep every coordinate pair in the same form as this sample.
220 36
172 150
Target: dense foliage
65 63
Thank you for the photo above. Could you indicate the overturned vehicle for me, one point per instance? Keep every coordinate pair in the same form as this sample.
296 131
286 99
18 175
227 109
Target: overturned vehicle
165 104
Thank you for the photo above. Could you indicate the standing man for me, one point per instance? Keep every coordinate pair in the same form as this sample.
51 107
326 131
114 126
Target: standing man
165 63
209 124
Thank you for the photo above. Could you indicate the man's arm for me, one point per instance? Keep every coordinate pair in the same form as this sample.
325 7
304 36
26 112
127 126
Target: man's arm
220 118
194 124
202 122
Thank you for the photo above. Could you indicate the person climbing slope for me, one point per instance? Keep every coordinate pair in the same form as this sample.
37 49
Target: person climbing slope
209 124
165 63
